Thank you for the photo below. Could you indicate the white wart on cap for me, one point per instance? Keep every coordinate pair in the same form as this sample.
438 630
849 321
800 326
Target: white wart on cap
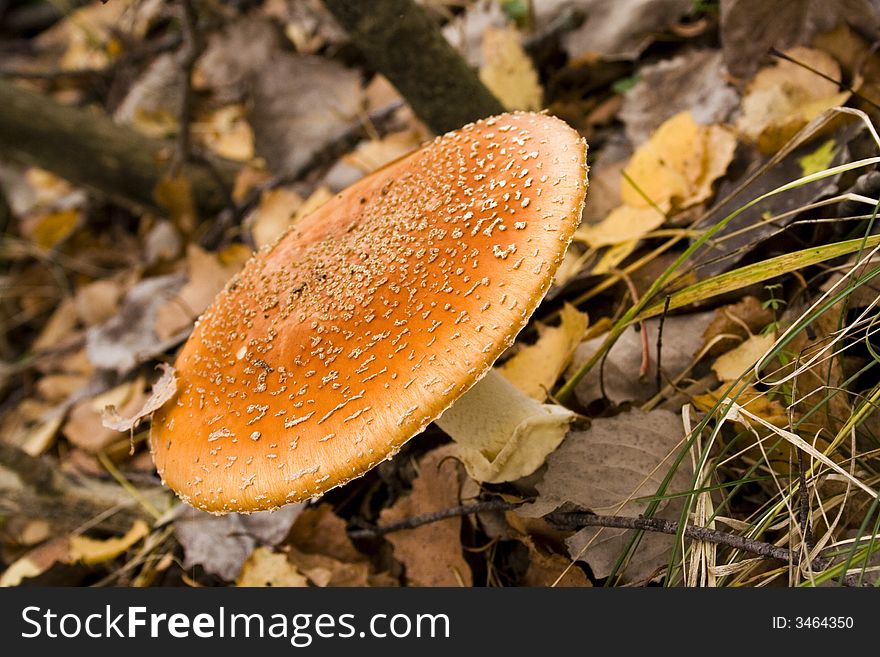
362 324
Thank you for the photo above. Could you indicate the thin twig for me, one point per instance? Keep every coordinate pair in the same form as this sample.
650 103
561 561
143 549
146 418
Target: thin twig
660 344
418 521
579 520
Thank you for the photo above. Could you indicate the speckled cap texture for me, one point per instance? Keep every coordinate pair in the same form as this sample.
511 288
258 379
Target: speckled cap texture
363 323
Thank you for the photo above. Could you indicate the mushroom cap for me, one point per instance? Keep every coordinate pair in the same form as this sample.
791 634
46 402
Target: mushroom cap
366 320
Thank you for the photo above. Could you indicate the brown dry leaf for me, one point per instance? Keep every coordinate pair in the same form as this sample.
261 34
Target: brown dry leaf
163 390
431 553
534 369
784 97
206 276
152 102
676 168
319 546
300 104
85 427
174 193
91 551
732 365
98 301
88 32
508 72
604 469
265 567
226 132
60 325
545 569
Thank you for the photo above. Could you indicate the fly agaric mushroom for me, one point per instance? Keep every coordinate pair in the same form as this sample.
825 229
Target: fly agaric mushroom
371 316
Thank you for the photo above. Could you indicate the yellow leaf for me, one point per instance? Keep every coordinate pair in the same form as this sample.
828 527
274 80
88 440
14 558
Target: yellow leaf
92 551
730 366
53 228
784 97
267 568
678 165
535 368
623 224
226 132
376 153
508 72
819 160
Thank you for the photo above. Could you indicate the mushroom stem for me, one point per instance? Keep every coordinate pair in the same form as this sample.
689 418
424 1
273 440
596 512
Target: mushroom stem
491 423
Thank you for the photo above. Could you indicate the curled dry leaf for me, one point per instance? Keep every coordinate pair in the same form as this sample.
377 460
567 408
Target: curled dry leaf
736 362
163 390
91 551
616 467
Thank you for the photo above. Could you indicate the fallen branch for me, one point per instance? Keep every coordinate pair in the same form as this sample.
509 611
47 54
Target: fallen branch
575 521
88 149
401 41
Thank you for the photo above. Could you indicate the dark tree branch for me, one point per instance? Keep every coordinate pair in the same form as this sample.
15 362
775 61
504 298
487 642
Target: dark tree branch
402 42
87 148
578 520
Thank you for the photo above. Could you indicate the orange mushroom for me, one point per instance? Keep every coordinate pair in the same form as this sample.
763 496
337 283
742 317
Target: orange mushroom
369 318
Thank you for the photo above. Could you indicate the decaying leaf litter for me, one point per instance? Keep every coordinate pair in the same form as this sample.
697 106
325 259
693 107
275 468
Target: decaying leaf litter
709 338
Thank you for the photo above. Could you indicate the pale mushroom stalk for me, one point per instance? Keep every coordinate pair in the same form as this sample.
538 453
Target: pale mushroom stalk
491 420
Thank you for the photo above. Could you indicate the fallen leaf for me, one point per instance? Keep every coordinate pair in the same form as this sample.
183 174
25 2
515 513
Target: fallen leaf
85 427
432 552
613 30
784 97
550 569
371 155
265 567
676 168
280 209
682 336
226 132
98 301
739 320
749 28
819 160
622 225
206 276
508 72
36 561
694 82
163 390
152 102
221 544
59 326
534 369
91 551
53 228
300 104
129 337
465 31
732 365
614 468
